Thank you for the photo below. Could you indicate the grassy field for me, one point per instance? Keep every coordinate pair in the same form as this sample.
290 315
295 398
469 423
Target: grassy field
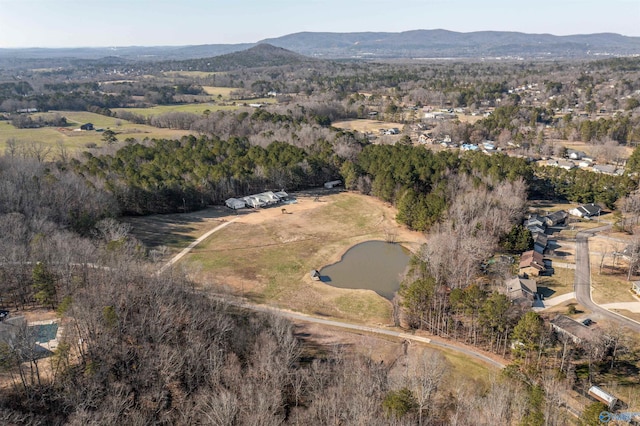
364 125
561 282
609 288
189 74
266 256
77 141
197 108
224 92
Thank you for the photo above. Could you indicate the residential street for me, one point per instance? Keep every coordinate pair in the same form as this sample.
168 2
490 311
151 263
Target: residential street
582 283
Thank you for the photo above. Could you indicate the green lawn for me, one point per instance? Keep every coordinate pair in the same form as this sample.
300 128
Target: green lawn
561 282
78 140
199 108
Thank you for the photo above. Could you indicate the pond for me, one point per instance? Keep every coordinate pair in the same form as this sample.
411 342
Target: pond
372 265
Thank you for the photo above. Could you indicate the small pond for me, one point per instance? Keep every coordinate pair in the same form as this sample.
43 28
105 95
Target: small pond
372 265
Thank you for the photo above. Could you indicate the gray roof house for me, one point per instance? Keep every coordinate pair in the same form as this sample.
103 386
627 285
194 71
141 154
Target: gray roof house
521 290
534 220
570 328
540 242
555 218
586 210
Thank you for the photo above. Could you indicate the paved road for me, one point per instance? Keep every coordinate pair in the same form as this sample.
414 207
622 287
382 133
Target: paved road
582 282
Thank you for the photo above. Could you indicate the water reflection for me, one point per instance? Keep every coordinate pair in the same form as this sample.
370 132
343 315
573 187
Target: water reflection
372 265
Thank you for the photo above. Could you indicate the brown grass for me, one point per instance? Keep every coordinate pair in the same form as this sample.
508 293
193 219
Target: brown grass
266 256
364 125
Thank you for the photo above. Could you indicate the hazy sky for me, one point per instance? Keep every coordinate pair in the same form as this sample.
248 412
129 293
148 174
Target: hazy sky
71 23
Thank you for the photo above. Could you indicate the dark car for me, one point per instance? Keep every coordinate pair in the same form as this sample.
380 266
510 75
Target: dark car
3 314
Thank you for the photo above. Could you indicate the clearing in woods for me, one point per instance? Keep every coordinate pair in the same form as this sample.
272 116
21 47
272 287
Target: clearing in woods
266 256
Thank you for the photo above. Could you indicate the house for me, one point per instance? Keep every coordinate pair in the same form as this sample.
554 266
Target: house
393 131
556 218
535 229
489 146
534 220
424 139
540 241
575 155
574 330
567 165
253 201
469 147
586 210
269 197
87 126
531 262
521 290
332 184
235 203
604 397
606 169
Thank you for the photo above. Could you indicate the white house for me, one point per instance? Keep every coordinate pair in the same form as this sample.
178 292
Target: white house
235 203
586 210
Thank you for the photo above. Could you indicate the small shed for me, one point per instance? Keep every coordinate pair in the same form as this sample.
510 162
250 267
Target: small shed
235 203
332 184
315 275
602 396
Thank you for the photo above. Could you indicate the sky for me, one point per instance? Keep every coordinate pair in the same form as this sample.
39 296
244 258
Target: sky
107 23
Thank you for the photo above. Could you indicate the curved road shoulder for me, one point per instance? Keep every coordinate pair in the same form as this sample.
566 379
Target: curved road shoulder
582 281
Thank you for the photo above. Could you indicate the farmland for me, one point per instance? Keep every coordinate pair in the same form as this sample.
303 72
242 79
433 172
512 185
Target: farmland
78 140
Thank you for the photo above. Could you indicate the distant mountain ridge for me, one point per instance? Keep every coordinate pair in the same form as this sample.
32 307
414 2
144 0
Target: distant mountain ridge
444 43
377 45
259 56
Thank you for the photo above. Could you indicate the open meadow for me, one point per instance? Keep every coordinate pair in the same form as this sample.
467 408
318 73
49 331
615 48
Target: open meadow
365 125
266 255
74 140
